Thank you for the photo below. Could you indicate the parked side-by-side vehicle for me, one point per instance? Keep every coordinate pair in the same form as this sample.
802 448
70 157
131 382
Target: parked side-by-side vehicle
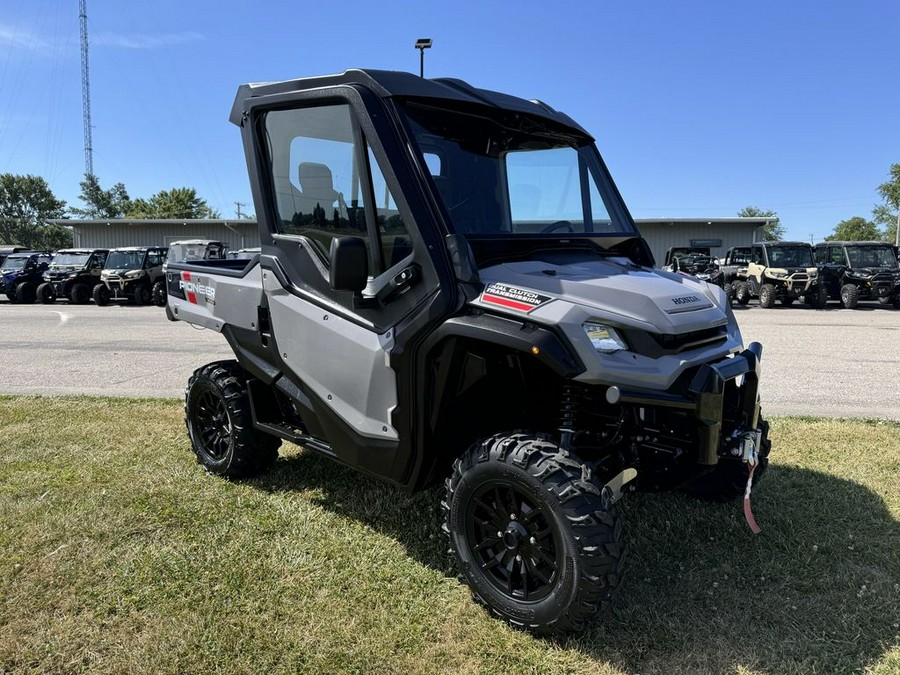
859 270
451 290
135 273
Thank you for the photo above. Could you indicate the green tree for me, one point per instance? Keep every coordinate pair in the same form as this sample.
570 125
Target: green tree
855 229
773 231
100 203
174 203
890 192
26 203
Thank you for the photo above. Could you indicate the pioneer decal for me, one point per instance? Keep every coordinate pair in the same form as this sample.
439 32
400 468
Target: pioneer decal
510 297
191 287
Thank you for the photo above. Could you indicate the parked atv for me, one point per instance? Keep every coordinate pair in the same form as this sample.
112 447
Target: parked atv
438 300
859 270
783 271
135 273
696 263
22 273
73 274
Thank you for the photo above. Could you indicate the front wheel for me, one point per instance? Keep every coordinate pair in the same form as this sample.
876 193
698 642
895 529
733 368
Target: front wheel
101 295
766 295
26 293
158 294
80 293
220 425
45 293
535 540
849 296
742 292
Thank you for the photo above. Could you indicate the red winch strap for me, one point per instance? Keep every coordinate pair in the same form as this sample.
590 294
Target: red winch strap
748 512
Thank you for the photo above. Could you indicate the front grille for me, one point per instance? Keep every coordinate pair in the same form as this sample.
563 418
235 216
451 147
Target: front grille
673 344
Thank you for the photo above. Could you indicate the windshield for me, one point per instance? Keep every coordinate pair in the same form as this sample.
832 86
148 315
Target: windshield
70 259
872 256
125 260
14 263
790 256
500 173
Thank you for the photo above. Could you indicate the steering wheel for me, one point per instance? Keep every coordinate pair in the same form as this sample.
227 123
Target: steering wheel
558 225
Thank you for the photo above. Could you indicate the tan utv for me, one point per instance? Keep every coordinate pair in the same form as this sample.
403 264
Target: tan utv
780 270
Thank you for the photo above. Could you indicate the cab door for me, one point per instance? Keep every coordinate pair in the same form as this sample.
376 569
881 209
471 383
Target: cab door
325 178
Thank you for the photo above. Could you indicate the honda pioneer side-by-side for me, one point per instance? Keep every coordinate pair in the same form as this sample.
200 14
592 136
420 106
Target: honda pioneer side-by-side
859 270
780 270
22 273
450 289
135 273
73 274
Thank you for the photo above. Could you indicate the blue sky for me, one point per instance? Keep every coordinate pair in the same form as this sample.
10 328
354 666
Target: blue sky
699 108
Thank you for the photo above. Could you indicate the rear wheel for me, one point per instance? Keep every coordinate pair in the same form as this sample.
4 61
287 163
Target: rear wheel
45 293
26 292
766 295
220 425
742 292
728 479
816 297
535 540
158 294
80 294
141 295
101 295
849 296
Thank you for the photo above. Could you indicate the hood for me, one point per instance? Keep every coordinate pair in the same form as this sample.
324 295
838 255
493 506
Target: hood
613 289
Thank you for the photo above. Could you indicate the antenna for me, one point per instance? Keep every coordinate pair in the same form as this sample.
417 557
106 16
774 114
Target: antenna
85 90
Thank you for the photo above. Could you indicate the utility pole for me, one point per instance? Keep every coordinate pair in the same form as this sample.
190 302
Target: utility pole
239 205
85 90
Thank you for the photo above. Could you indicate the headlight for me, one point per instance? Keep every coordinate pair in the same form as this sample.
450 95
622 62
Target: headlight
777 274
605 339
134 274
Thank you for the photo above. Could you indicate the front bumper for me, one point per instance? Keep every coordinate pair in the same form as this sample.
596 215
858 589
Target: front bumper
705 398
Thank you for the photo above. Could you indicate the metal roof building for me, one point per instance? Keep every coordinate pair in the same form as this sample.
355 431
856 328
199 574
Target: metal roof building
719 234
156 232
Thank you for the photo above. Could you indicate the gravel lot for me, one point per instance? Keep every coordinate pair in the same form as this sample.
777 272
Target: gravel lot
835 363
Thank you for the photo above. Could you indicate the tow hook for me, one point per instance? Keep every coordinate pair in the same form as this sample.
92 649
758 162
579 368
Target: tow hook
613 489
749 446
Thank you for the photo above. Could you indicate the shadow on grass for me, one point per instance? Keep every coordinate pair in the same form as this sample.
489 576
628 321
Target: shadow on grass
818 590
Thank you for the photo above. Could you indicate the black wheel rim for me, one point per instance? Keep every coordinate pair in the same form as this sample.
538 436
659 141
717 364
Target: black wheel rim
212 427
514 540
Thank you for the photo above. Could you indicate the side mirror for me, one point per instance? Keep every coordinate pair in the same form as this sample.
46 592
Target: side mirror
349 264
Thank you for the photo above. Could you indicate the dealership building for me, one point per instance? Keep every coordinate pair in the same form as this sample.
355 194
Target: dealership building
717 234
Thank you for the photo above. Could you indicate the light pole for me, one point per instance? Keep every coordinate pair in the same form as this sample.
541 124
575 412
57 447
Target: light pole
422 44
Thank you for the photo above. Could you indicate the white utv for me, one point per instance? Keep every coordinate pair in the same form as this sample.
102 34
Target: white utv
450 288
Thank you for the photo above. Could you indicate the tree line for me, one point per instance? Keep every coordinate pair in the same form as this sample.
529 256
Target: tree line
27 203
882 226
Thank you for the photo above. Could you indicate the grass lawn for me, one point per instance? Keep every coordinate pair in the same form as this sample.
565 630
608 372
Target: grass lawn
119 554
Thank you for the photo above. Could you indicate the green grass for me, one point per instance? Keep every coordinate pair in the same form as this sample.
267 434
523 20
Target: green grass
119 554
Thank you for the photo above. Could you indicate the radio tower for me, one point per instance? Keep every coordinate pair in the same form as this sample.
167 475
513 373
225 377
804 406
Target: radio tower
85 90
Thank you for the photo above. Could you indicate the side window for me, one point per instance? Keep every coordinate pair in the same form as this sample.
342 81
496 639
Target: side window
315 173
756 255
153 259
836 255
392 231
820 254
